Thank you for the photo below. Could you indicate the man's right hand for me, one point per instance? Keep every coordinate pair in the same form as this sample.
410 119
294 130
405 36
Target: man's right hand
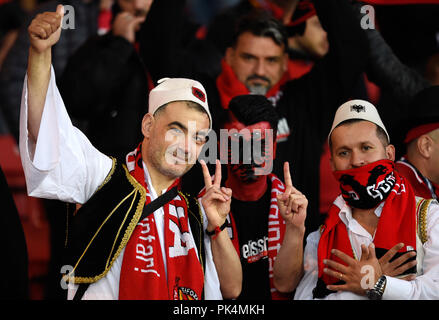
126 25
45 29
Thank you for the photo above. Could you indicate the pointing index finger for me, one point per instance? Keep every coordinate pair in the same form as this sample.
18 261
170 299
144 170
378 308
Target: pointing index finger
288 181
287 175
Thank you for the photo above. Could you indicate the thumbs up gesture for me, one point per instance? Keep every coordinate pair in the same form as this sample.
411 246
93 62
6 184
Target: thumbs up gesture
45 29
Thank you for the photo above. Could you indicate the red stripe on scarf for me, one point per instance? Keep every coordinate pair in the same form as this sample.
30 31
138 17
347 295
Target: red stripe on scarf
229 85
143 270
396 224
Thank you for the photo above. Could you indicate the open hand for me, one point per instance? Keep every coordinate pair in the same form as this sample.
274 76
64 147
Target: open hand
358 275
399 265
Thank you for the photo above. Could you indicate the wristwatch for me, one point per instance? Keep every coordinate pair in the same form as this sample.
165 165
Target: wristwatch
376 293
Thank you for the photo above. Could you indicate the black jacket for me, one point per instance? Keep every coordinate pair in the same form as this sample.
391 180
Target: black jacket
15 64
105 90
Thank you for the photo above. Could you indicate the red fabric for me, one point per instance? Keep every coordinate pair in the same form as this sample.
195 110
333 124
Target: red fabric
298 68
418 185
104 20
276 232
396 224
201 33
329 186
229 86
420 130
373 91
143 271
370 183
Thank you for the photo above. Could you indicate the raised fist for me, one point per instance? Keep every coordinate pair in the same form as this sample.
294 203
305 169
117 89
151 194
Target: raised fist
45 29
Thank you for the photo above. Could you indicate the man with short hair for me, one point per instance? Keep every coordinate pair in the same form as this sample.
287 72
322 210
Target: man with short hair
260 219
375 218
420 163
137 235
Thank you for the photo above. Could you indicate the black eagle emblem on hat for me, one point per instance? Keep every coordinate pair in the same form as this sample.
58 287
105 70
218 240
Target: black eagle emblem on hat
358 108
199 94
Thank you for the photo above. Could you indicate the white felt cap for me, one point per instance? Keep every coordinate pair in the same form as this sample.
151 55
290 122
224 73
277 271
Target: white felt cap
357 109
178 89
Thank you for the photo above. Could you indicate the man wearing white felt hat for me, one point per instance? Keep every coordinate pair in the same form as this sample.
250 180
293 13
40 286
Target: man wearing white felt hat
137 235
372 221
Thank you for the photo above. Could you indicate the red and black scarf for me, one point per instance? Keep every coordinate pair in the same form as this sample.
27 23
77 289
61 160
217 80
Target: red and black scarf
276 231
143 274
397 224
229 86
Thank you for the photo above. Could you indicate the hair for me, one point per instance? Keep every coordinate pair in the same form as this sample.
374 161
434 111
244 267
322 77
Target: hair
251 108
261 23
380 133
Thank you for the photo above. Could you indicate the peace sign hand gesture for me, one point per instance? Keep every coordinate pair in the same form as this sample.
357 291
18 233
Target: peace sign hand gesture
216 201
292 203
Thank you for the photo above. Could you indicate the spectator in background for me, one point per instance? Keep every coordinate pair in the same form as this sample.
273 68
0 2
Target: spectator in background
420 164
105 83
12 17
14 67
405 72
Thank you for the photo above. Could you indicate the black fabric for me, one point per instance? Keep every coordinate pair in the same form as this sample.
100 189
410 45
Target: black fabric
424 108
14 267
92 226
12 16
159 202
80 292
251 219
105 90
